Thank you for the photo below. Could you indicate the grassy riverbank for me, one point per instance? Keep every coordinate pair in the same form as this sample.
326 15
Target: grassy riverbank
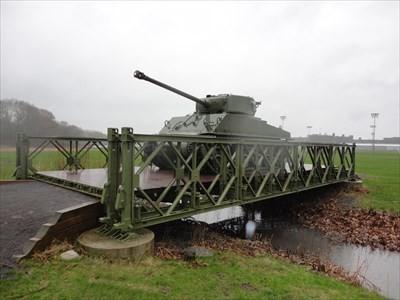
380 172
224 276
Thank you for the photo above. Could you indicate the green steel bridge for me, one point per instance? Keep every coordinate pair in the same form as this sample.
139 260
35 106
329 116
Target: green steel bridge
216 172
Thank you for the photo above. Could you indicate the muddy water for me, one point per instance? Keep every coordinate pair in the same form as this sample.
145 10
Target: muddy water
379 268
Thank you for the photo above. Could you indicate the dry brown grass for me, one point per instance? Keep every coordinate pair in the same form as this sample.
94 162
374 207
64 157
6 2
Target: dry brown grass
53 251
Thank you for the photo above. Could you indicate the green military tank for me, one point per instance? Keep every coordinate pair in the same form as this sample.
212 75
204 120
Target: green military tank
222 115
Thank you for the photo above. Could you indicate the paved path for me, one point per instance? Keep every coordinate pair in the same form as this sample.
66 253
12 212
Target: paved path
24 207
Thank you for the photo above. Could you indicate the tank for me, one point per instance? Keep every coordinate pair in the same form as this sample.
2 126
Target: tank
219 115
223 115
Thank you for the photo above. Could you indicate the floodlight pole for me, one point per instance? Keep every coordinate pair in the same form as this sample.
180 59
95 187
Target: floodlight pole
283 118
309 130
374 117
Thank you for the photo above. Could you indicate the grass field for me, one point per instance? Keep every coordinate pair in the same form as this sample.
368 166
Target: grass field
380 172
224 276
47 160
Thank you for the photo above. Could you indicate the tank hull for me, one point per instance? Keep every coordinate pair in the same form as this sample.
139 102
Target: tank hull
223 124
219 125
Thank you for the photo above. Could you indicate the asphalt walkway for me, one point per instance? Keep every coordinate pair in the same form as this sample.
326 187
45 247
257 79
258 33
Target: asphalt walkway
24 207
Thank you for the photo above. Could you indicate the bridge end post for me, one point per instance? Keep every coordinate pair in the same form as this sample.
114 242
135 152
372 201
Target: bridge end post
109 195
125 196
353 159
22 153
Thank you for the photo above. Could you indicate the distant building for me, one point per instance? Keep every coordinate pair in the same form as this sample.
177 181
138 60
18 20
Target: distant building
386 141
326 138
385 144
391 140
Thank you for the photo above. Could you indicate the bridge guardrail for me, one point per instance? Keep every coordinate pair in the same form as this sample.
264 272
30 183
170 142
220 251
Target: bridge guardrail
73 152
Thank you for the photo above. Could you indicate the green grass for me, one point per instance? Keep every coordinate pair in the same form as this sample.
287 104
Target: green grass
7 164
48 160
224 276
380 172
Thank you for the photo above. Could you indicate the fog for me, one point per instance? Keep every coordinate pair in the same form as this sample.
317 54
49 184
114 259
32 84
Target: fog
324 64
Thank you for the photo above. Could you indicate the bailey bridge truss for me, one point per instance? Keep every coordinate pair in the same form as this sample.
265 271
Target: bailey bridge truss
203 173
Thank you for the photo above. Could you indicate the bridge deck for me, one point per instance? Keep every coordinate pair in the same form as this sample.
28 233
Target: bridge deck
150 178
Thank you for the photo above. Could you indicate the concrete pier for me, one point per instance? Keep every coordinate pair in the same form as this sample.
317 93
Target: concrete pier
139 244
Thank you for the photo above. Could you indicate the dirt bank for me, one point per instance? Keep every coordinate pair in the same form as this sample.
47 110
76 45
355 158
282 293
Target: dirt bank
341 221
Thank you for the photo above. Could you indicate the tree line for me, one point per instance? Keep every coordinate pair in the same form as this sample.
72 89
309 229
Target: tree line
21 116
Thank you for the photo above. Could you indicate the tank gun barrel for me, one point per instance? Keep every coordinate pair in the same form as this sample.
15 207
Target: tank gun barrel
141 75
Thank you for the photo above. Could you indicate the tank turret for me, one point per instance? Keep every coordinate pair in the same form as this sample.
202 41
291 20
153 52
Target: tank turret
211 104
228 103
220 115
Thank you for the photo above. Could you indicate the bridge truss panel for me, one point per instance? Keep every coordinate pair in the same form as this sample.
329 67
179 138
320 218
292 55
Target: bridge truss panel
199 173
210 173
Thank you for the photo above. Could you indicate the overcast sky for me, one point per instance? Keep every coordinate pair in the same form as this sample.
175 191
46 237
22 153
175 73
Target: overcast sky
325 64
